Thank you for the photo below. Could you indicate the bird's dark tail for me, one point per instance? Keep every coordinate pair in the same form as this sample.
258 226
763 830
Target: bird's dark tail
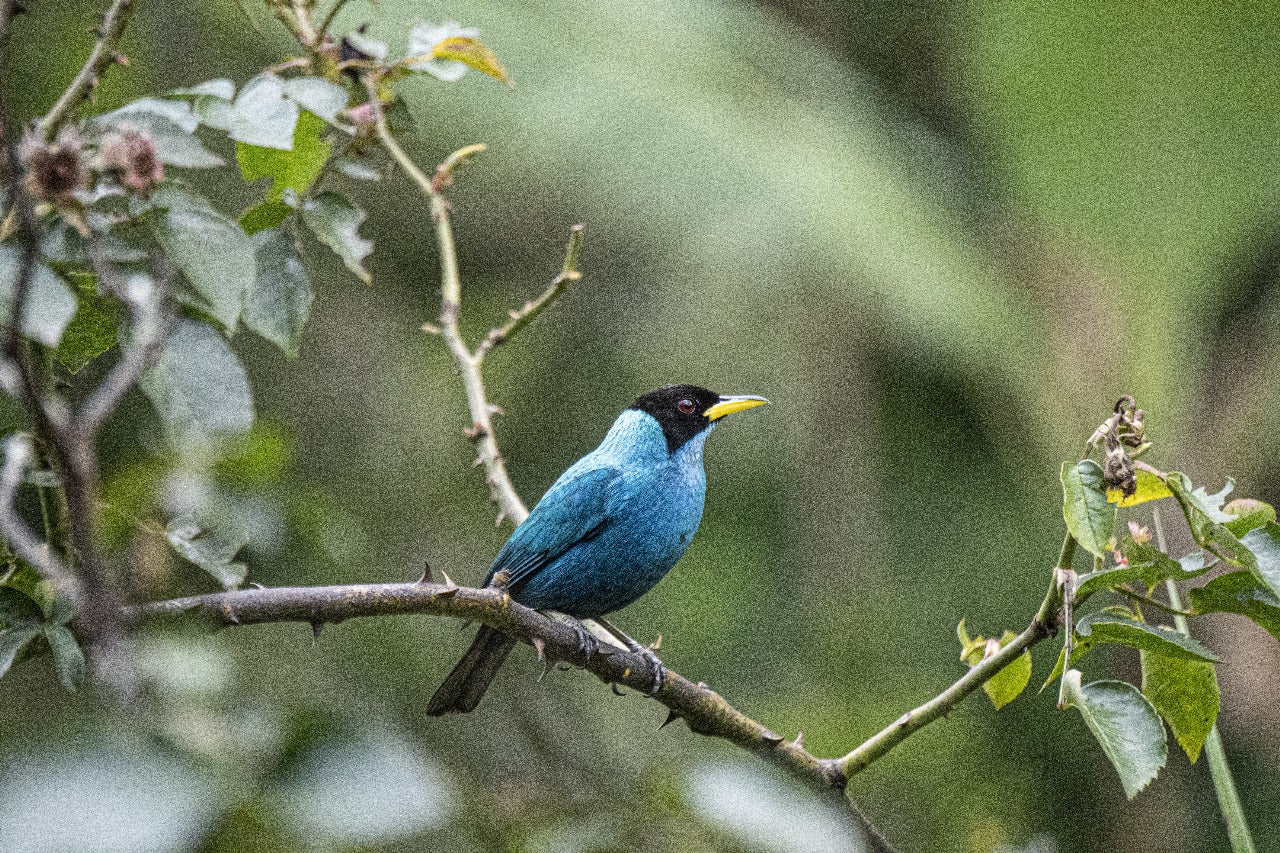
465 686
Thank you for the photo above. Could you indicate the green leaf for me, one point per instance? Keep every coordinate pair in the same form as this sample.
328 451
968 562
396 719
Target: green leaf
199 387
268 214
12 642
318 96
1118 630
93 330
294 169
1207 520
210 550
68 658
262 115
1149 488
211 250
1009 682
1249 513
1264 543
1239 593
280 301
50 304
336 222
1184 692
1126 726
18 608
1147 564
1090 518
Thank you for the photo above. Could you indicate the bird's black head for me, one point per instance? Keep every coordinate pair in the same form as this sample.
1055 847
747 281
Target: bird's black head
683 411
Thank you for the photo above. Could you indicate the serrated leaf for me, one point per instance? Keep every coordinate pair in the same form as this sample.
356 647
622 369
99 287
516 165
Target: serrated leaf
1185 693
68 658
1090 518
1121 631
268 214
1264 543
1126 726
12 643
262 115
1249 513
211 250
280 301
93 330
198 387
1149 488
318 96
336 222
1242 594
50 304
17 608
210 550
1207 521
295 169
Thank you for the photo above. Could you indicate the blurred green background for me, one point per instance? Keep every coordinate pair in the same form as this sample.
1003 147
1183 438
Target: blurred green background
942 238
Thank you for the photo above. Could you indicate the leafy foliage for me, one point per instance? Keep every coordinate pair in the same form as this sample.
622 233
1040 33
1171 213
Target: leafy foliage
1090 518
1126 726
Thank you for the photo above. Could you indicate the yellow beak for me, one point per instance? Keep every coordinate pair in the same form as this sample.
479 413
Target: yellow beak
728 405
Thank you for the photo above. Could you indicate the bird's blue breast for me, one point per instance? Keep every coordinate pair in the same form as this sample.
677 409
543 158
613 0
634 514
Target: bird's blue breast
612 525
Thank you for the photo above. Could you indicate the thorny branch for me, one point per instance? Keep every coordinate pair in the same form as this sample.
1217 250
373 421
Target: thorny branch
101 57
67 434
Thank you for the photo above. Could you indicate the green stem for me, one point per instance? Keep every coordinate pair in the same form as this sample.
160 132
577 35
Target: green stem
1223 783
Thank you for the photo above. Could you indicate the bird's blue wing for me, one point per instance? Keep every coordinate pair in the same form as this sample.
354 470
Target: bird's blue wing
575 509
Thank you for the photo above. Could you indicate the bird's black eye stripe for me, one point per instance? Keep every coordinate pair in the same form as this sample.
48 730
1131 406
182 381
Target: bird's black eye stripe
686 405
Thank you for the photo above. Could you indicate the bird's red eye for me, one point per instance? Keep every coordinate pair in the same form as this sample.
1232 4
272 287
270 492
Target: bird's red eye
686 406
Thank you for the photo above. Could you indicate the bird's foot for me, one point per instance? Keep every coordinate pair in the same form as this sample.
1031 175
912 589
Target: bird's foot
659 671
588 645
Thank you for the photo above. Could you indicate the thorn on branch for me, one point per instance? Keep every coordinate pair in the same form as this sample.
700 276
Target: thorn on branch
426 572
672 716
316 627
771 738
798 743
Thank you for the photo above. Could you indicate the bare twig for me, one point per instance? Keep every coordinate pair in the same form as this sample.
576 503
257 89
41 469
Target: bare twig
481 411
531 309
102 57
18 455
1042 626
329 18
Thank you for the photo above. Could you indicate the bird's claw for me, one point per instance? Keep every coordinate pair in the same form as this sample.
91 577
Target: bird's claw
588 645
659 671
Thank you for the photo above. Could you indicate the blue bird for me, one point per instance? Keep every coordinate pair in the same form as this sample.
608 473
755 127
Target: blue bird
606 531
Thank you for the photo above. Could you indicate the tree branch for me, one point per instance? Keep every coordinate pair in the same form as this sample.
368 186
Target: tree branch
703 710
481 411
18 455
102 57
531 309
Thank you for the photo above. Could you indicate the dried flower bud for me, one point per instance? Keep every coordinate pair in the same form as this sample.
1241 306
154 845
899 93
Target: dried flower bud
361 115
1117 467
131 153
55 170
